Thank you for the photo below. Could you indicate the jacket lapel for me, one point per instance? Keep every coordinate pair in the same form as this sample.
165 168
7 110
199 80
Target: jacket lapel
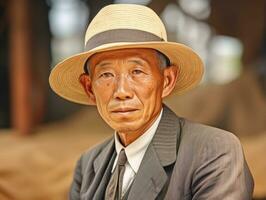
161 152
104 155
102 167
100 192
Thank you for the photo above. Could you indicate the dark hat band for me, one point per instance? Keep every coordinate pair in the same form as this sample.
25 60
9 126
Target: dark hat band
120 35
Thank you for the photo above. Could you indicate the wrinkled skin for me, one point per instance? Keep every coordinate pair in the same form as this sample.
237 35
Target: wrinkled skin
128 86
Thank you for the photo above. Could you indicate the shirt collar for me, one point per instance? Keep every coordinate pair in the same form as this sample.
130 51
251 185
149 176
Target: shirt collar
136 150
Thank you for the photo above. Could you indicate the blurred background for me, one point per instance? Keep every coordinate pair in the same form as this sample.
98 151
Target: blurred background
42 135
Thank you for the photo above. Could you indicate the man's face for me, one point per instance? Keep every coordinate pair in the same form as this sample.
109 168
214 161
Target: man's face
127 86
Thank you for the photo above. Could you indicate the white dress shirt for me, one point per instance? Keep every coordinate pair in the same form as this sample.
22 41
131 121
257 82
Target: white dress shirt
134 152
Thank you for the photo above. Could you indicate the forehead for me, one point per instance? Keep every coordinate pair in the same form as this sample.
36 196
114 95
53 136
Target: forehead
149 55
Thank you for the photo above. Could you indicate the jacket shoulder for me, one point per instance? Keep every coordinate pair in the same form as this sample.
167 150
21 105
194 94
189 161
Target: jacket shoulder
207 135
214 159
201 144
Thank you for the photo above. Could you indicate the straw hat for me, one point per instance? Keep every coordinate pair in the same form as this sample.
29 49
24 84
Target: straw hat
121 26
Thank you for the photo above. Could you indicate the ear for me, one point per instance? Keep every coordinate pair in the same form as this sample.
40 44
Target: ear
170 77
85 81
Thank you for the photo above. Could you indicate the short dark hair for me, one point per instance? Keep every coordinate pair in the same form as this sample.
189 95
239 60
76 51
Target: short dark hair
163 60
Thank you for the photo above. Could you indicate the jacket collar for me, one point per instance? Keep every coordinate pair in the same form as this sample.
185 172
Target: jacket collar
161 152
165 139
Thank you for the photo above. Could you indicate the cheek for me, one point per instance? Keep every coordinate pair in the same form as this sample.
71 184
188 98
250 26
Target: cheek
149 89
102 99
103 93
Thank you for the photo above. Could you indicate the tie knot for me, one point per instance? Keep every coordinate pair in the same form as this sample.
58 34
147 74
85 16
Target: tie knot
122 158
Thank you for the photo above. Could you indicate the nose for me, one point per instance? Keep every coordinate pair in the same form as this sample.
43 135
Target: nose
123 90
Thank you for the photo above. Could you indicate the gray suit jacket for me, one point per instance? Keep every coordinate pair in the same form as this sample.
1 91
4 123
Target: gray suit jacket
209 164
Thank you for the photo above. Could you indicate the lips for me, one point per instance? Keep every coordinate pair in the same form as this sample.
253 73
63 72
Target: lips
124 110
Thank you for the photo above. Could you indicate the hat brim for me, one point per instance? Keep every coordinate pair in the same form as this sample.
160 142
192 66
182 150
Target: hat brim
64 78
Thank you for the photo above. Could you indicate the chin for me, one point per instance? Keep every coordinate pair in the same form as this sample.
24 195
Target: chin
124 128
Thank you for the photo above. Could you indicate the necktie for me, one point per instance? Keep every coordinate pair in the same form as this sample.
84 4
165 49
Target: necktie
114 187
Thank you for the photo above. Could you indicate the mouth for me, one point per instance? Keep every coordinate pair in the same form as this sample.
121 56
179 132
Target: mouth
124 110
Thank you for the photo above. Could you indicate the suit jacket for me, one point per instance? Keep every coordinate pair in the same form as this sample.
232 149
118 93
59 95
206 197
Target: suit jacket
209 164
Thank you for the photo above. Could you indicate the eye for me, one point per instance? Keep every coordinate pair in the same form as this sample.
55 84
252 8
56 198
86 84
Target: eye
137 71
106 75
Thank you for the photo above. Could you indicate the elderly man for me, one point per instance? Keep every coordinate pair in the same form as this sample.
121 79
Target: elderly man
126 71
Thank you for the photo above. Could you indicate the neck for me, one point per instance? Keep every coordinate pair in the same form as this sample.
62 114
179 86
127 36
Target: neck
127 138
